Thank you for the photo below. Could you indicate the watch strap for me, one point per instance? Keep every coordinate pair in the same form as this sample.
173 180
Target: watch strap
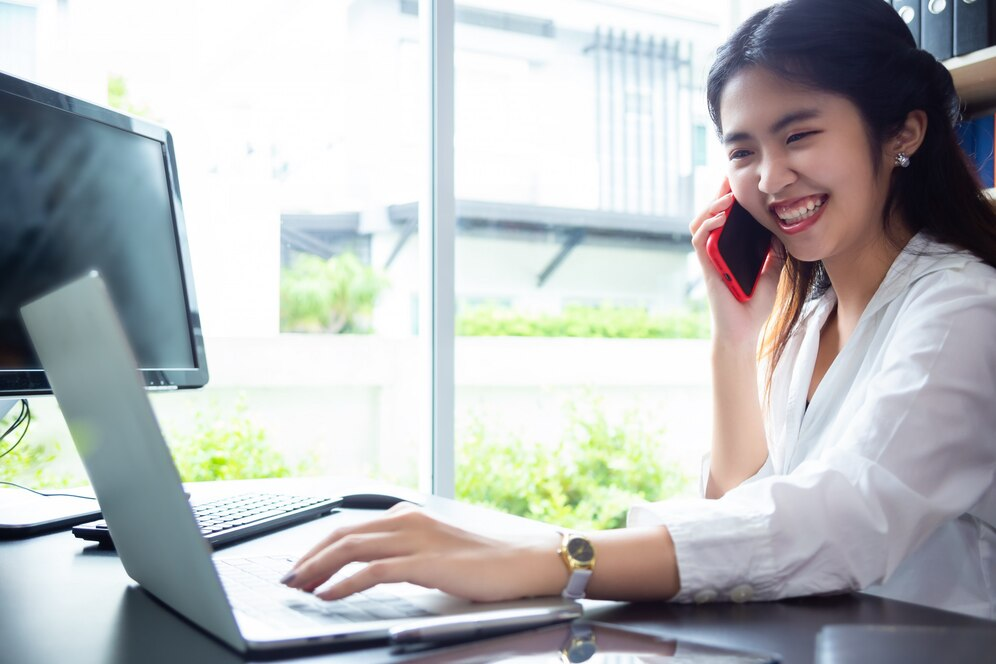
576 584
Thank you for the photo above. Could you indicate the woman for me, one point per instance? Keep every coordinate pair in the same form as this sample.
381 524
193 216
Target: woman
857 448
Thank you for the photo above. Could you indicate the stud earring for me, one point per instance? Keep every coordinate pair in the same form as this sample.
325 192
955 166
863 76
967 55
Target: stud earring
902 160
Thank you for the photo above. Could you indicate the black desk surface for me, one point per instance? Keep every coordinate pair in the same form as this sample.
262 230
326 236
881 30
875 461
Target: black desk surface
64 601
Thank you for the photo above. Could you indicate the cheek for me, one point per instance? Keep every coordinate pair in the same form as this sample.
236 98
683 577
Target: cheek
744 186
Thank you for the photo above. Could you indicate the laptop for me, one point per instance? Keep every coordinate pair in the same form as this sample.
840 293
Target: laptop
92 370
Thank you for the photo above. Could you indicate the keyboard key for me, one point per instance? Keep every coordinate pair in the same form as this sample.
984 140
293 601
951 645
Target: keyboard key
253 587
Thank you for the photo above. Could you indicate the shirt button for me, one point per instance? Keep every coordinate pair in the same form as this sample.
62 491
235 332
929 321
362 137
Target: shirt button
704 596
742 593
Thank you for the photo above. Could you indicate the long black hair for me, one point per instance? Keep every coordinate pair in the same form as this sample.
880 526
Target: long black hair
863 51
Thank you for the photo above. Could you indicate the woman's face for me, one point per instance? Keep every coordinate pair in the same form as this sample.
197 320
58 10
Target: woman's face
801 163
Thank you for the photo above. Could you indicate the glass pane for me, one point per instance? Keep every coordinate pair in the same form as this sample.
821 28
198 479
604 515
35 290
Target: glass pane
297 133
583 145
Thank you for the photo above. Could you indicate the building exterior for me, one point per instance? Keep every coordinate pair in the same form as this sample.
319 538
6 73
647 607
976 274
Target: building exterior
582 146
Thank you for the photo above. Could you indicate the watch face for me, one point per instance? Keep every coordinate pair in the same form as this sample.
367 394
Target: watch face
580 650
580 550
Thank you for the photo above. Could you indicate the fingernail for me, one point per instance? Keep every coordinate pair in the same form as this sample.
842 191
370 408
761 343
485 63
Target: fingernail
288 577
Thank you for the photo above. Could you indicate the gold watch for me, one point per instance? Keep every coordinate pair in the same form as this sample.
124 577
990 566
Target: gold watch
580 644
578 554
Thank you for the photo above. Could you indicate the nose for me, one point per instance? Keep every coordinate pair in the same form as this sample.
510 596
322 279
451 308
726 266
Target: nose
774 174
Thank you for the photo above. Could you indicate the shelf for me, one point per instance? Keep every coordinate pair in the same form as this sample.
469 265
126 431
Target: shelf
974 77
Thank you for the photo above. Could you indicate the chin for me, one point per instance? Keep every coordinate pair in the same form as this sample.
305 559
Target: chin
803 251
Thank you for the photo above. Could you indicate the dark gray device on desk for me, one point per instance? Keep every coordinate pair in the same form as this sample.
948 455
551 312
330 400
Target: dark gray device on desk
82 188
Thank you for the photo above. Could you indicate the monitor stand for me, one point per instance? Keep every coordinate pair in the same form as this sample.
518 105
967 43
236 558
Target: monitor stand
25 514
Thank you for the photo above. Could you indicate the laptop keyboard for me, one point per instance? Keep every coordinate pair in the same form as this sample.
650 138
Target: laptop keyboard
236 518
253 587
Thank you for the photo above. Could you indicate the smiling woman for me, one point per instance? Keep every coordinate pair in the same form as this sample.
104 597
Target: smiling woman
789 168
857 454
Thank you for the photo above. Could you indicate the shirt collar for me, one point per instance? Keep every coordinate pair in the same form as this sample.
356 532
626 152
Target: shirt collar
921 256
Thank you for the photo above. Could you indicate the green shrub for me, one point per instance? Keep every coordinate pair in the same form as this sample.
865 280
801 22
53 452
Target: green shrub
333 296
229 447
581 321
34 462
587 479
222 446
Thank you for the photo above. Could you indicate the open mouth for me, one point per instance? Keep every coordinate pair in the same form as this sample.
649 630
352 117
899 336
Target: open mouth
799 210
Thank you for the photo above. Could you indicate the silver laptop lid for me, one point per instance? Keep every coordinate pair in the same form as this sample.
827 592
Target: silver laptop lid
94 376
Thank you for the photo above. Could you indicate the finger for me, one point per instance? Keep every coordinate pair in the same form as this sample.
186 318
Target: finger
775 259
724 187
357 548
388 570
321 546
721 204
392 534
709 225
381 523
403 506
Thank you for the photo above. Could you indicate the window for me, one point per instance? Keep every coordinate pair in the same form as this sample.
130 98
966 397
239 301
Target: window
581 151
293 130
581 367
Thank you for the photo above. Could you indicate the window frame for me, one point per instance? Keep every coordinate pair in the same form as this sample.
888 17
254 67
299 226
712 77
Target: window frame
437 208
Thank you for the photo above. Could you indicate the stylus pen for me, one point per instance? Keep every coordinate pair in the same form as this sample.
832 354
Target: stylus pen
477 625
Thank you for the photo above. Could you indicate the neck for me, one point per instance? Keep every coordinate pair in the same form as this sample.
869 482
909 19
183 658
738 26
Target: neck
857 276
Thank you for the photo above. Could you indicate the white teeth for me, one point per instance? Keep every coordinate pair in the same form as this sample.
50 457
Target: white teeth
801 213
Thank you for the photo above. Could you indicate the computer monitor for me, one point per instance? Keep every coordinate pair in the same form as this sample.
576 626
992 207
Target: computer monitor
83 188
86 188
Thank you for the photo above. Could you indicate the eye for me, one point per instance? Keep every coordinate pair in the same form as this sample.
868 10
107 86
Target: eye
796 137
739 154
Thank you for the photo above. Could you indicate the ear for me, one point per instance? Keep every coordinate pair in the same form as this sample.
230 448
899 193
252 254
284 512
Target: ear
910 135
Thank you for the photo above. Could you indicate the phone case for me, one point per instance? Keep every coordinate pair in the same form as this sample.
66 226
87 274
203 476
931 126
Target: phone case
716 256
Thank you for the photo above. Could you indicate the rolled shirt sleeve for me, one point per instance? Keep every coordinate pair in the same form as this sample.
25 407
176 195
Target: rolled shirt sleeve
901 438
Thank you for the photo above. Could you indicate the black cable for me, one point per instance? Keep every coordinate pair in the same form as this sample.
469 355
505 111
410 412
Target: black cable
47 495
17 420
22 417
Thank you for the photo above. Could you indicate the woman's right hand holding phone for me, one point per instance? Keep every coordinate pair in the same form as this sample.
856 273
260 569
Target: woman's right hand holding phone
739 447
735 323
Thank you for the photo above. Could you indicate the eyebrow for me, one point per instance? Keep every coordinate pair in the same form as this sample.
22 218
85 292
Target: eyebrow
784 121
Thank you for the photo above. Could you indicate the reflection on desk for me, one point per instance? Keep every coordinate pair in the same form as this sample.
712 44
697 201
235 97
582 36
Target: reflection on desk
592 643
55 585
905 644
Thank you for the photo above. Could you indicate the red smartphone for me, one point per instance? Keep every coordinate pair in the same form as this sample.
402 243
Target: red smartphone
738 250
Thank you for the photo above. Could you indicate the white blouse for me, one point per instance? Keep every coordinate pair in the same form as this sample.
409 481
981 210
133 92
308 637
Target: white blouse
887 482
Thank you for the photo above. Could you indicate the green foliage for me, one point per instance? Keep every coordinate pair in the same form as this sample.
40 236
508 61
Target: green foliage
34 462
583 321
118 97
335 295
220 447
229 447
586 480
30 464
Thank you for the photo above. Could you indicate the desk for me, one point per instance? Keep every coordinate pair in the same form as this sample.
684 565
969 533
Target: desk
64 601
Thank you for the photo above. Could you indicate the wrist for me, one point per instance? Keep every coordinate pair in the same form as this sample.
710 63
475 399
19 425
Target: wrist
544 571
732 354
578 554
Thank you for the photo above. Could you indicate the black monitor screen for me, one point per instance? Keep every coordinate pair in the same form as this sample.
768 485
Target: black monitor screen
78 193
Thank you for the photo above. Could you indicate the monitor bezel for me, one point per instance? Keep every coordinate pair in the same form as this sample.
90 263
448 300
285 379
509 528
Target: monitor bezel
28 382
